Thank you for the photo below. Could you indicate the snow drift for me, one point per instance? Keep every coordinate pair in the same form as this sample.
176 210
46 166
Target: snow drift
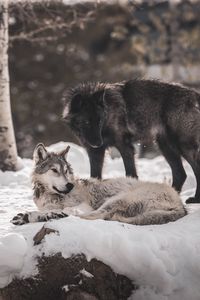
164 260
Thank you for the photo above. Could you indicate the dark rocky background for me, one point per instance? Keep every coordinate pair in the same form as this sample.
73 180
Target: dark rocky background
54 46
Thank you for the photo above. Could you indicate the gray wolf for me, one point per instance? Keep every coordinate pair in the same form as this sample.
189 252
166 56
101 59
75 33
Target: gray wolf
119 115
57 193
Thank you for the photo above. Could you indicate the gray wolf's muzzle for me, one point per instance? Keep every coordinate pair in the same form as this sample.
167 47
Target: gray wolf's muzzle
69 187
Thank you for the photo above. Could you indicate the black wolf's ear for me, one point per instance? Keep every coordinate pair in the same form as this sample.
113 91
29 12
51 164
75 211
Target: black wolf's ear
65 114
64 153
40 153
99 97
76 103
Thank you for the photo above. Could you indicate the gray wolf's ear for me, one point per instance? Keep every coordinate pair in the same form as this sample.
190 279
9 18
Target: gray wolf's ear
40 153
64 153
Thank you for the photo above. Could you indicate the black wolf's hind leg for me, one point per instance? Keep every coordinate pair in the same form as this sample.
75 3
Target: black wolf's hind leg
96 157
196 170
196 198
194 161
174 160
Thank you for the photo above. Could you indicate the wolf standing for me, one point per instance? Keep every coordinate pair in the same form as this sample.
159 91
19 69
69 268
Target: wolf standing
119 115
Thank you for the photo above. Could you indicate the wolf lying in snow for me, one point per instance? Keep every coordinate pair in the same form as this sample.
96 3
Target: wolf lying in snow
57 194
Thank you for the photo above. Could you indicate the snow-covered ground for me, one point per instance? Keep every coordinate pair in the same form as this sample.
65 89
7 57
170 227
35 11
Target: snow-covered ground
163 259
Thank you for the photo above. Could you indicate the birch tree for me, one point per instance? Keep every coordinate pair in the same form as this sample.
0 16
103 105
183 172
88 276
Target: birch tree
41 30
8 150
38 30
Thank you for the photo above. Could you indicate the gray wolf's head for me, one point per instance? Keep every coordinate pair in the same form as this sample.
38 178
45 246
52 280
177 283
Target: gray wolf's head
85 112
52 170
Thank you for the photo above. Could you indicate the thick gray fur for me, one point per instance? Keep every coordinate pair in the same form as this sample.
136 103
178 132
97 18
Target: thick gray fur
120 199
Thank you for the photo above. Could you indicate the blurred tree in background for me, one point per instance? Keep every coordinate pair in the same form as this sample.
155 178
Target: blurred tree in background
8 151
54 46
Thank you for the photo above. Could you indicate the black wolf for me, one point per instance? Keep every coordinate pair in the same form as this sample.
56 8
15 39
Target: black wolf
119 115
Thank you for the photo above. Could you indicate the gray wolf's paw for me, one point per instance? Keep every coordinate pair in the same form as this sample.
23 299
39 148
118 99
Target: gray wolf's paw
20 219
35 216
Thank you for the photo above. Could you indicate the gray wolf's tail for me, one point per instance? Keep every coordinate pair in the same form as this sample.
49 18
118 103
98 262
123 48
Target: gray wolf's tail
152 217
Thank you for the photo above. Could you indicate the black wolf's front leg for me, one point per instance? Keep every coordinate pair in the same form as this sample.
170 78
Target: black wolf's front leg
32 217
173 157
127 153
96 157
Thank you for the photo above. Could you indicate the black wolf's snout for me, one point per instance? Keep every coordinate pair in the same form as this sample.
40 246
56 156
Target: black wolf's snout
69 187
95 142
96 145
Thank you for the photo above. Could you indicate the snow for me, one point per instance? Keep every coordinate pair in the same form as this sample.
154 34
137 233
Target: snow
13 248
86 273
164 260
66 288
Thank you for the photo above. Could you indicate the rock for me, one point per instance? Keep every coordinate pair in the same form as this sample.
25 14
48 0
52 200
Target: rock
62 278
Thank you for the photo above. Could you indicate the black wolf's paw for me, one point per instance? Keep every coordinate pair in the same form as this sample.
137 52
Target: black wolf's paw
191 200
20 219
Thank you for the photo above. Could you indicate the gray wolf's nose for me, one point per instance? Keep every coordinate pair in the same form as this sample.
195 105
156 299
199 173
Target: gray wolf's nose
69 186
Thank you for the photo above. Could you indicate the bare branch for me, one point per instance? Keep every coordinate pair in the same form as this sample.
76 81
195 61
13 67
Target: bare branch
41 22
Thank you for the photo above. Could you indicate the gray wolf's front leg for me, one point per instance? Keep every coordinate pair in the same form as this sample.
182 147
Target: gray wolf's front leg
34 216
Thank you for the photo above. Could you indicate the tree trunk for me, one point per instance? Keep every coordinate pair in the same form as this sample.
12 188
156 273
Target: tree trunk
8 150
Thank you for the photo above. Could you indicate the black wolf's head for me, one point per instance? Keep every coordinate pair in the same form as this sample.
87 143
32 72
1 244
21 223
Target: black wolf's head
85 112
52 171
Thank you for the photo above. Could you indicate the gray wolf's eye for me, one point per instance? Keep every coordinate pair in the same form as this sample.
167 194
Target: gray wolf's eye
54 170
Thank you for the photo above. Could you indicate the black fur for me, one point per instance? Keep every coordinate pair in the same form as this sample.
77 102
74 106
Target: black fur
119 115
